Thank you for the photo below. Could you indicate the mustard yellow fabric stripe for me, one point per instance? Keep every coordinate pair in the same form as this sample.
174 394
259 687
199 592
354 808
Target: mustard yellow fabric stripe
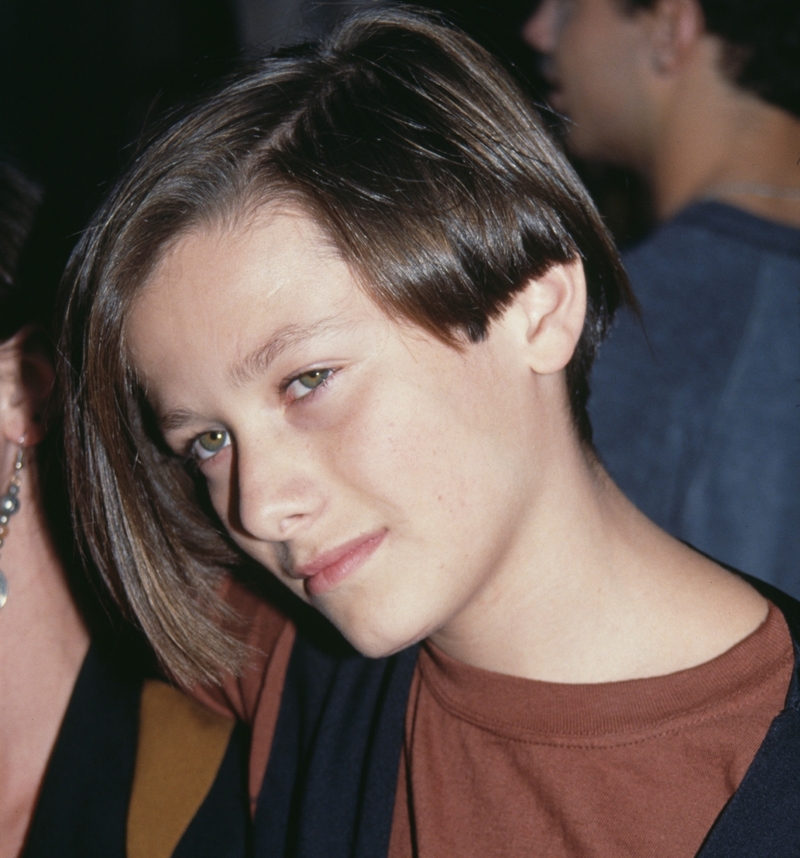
180 749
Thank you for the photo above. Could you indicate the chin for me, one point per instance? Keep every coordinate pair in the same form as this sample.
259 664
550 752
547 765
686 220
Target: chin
582 143
376 640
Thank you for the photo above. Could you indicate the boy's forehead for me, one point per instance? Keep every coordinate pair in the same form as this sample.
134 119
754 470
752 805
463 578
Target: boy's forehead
248 291
277 255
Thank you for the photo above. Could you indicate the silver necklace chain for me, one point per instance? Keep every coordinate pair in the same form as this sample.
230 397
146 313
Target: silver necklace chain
753 189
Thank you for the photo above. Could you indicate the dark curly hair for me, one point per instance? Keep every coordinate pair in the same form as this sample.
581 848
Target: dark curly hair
762 45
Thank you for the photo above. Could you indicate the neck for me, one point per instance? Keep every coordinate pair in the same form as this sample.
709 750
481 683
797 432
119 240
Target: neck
717 141
43 642
592 591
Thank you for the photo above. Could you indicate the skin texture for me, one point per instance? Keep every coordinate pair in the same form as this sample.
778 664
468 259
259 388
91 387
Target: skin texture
43 640
646 90
595 61
448 483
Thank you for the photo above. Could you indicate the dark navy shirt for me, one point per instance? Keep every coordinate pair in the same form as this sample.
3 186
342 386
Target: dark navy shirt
82 810
696 412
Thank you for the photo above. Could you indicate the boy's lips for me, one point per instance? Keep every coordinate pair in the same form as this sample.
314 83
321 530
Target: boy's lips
326 570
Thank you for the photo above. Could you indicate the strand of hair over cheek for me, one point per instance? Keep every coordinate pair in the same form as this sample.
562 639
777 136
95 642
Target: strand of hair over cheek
163 569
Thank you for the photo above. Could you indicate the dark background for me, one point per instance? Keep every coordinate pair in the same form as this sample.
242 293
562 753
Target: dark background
82 79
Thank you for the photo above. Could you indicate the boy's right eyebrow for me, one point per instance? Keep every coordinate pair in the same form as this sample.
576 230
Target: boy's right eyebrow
176 418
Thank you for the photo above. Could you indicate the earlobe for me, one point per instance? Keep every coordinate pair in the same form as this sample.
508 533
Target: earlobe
554 308
26 384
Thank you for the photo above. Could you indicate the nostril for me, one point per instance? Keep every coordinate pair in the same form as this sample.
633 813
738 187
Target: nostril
276 515
288 523
273 498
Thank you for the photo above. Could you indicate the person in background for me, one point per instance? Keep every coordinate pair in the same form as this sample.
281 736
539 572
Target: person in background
696 410
95 759
340 317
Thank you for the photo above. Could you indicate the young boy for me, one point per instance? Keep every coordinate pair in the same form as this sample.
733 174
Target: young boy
356 295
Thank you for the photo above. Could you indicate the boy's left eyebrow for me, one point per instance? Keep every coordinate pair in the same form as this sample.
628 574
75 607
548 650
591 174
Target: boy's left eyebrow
259 359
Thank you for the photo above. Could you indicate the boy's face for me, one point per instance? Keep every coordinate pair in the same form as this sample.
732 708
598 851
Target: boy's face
383 476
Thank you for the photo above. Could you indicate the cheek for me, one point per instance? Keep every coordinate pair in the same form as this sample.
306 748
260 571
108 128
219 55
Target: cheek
423 450
373 453
581 71
394 440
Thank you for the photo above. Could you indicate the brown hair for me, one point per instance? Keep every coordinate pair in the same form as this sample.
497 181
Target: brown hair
19 202
433 176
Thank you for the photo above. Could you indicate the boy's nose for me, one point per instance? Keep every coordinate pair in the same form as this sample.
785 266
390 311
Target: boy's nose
274 500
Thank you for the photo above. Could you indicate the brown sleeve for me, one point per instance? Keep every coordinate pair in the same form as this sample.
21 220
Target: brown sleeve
254 696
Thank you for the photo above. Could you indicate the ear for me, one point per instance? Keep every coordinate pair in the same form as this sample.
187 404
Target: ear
551 309
26 383
676 29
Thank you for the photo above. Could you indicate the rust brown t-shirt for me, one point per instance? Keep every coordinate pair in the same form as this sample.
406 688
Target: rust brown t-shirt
495 765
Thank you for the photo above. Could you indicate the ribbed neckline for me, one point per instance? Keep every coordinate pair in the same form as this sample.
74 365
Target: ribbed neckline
615 712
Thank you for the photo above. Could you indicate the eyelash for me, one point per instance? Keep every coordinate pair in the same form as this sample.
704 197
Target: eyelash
194 457
324 371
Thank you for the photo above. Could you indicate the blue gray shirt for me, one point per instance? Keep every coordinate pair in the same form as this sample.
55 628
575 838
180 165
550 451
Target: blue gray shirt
696 411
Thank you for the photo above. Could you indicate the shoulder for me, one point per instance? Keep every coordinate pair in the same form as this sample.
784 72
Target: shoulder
788 605
263 620
706 235
269 635
698 277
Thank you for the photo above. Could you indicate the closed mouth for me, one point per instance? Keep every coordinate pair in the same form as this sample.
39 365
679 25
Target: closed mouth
329 568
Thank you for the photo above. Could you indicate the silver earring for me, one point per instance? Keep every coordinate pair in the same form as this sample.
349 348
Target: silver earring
9 504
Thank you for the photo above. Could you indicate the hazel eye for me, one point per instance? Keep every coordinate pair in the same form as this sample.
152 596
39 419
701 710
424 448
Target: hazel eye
309 381
210 443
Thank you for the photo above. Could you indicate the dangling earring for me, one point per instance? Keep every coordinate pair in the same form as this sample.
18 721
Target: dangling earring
9 504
